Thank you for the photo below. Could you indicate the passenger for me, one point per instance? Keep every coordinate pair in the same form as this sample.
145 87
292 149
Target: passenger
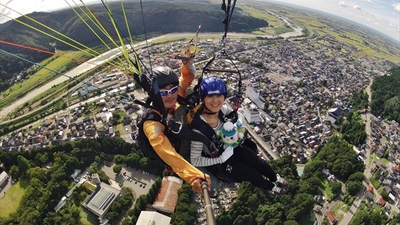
170 86
232 164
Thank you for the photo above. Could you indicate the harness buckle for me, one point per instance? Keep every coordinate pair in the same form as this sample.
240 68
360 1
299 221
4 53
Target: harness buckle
229 168
173 128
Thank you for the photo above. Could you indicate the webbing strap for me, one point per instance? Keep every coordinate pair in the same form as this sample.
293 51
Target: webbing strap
176 130
228 9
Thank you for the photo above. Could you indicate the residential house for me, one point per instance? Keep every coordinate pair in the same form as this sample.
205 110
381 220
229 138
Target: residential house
331 217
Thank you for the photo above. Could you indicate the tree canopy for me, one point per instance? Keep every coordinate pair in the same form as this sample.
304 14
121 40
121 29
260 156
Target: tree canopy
386 95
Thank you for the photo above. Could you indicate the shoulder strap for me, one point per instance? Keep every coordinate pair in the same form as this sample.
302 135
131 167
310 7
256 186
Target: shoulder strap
178 131
193 113
206 130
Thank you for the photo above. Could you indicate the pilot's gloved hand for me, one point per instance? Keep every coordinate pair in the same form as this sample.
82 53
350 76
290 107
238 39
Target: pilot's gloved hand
196 184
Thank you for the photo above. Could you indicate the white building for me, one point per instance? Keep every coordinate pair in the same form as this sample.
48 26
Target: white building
153 218
3 179
254 96
252 115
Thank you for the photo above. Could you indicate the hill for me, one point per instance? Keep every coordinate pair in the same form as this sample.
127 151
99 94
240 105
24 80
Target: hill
158 18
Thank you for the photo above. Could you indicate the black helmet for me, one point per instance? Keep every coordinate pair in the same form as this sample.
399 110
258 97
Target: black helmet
165 76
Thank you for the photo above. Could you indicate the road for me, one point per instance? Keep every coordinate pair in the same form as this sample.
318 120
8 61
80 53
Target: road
367 172
261 143
368 162
353 209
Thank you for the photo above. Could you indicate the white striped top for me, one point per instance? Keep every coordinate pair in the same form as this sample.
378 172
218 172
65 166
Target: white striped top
196 147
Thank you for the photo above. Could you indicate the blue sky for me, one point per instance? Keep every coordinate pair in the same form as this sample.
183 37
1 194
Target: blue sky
381 15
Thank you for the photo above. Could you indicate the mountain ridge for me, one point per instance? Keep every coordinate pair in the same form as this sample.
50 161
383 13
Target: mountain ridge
158 18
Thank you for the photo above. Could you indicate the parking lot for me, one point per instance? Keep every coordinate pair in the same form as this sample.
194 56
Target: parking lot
139 181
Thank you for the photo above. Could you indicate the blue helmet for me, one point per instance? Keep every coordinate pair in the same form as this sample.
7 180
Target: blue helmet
212 86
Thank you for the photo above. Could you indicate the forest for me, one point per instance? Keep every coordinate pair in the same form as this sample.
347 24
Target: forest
386 95
46 185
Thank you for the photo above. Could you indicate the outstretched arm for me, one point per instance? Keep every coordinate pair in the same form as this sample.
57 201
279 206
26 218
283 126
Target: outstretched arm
188 73
154 131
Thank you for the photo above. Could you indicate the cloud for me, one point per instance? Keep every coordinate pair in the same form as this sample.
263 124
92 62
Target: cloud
396 7
357 7
342 4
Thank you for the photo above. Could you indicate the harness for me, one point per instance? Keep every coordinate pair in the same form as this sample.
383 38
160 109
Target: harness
174 130
194 121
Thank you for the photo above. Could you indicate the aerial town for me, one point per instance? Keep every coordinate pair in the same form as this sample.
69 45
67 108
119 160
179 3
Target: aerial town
292 96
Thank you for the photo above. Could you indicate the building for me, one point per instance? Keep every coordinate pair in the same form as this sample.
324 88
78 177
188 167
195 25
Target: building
3 179
96 178
333 115
331 217
153 218
60 204
252 115
254 96
167 196
76 174
101 199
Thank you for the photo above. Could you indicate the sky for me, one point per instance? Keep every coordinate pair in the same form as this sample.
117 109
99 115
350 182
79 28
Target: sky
380 15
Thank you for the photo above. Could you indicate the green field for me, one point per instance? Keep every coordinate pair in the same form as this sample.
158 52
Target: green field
42 76
10 202
367 44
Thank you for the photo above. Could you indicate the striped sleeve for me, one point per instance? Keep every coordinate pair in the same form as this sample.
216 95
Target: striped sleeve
197 159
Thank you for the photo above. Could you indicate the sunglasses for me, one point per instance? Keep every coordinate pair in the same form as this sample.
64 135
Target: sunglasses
170 91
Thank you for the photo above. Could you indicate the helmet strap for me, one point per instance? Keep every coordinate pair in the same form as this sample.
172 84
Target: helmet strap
207 111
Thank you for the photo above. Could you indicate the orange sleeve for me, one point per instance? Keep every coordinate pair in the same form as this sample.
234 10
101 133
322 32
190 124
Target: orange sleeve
188 72
154 131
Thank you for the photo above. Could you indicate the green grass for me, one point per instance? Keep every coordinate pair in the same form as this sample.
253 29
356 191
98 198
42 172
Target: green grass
337 207
10 202
282 30
120 128
384 161
262 14
328 190
374 182
345 208
89 186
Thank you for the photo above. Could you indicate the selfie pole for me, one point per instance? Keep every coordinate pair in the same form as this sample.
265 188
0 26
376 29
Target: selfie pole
207 204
